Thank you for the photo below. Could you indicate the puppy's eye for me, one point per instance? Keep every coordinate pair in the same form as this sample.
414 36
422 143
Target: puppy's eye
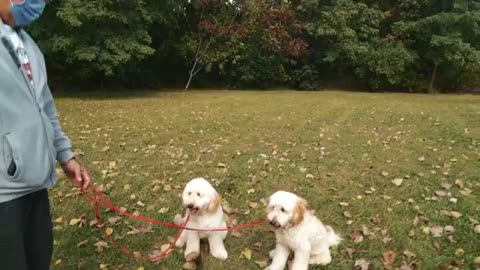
189 193
282 209
198 194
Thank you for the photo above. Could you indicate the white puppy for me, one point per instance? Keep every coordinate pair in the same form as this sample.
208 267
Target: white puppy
203 204
297 230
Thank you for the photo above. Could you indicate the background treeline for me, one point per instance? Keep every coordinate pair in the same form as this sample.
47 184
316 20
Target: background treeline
397 45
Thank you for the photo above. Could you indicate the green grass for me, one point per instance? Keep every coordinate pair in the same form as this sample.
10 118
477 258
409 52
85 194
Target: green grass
344 140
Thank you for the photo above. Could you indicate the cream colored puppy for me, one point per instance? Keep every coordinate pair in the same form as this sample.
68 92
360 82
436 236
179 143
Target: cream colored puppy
297 230
203 204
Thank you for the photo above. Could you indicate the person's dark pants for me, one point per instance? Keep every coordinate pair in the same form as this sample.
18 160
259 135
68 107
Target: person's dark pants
26 237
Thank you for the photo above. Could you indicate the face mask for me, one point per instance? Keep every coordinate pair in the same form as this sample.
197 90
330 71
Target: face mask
26 11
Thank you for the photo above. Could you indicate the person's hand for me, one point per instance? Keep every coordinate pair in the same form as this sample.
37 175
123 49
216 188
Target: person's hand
77 174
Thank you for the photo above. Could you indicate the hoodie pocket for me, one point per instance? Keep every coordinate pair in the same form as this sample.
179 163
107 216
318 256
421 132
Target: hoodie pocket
10 157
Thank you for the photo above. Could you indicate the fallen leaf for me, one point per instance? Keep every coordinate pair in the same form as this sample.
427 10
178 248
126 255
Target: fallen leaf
101 245
103 266
389 259
459 252
436 231
247 253
82 243
357 236
477 229
261 264
449 229
397 181
114 220
236 234
347 214
362 264
410 255
109 231
350 252
59 220
343 204
57 262
253 205
466 192
477 260
141 268
163 210
167 188
74 221
250 191
365 230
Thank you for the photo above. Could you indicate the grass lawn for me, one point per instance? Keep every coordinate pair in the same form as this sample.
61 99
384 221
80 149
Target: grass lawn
340 151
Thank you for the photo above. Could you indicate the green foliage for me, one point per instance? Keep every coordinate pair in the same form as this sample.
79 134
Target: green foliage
401 45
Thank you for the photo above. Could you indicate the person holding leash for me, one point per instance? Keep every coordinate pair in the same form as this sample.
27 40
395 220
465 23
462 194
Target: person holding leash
31 142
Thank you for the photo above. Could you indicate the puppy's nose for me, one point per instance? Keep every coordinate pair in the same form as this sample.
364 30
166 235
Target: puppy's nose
273 223
190 206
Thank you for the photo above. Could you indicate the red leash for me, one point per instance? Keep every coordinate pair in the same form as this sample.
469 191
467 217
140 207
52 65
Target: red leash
98 199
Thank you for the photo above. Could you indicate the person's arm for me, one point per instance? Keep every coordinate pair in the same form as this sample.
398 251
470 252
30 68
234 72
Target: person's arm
62 143
72 168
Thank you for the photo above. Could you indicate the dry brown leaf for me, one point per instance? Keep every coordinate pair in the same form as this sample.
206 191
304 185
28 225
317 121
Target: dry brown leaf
261 264
82 243
350 252
253 205
347 214
365 230
362 264
410 255
477 229
436 231
357 236
389 259
397 181
236 234
114 220
101 245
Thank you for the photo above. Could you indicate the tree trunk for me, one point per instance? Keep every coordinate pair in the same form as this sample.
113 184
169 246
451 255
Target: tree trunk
191 73
431 88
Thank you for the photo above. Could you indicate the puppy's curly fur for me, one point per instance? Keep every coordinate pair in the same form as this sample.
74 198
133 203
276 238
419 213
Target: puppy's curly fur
203 204
297 230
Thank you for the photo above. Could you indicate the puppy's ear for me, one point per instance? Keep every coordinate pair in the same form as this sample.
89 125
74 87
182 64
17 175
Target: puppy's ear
299 211
215 203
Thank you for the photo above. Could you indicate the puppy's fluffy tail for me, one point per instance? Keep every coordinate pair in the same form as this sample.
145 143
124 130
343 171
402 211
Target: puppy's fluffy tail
333 238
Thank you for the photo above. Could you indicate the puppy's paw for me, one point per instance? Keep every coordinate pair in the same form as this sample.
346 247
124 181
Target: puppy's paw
219 253
180 243
272 254
321 259
178 220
